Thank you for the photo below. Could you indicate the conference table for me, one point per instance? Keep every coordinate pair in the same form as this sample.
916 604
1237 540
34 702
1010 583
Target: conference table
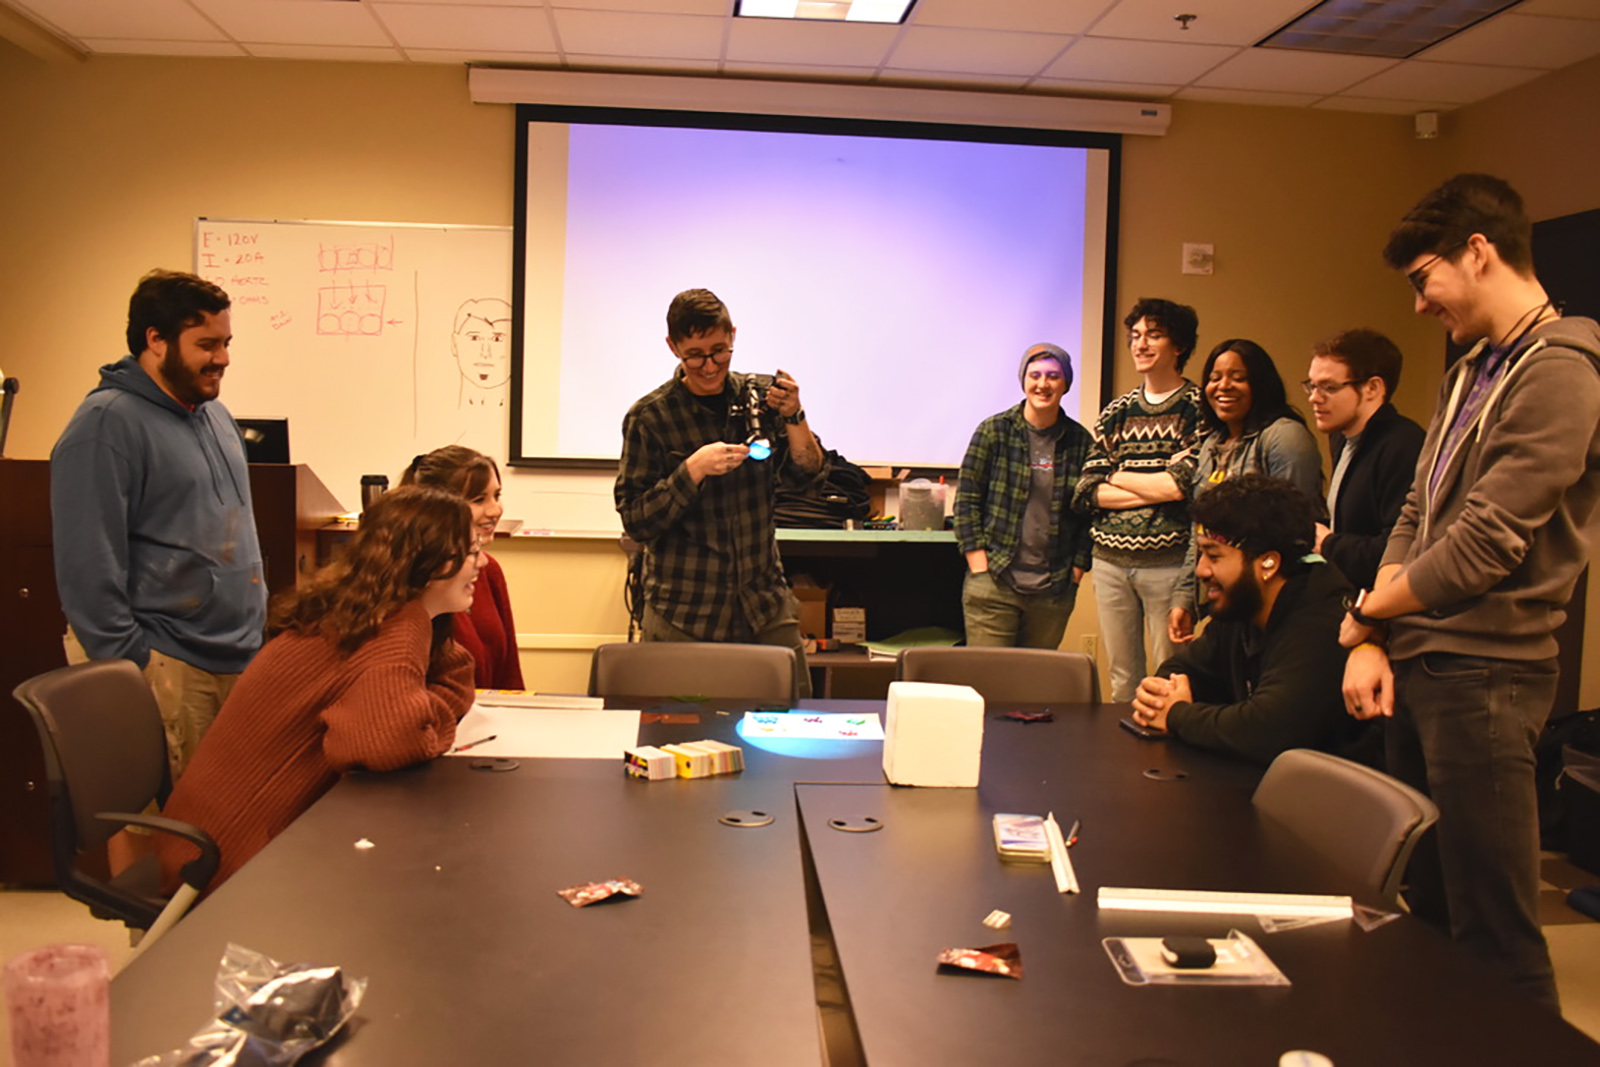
438 884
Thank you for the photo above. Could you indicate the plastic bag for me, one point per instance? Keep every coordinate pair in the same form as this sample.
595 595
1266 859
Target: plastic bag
268 1014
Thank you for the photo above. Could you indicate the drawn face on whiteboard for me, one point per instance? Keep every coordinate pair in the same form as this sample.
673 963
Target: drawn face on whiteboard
481 342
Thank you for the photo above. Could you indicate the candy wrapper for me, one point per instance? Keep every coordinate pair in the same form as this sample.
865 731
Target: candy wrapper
1030 716
269 1014
580 896
1003 959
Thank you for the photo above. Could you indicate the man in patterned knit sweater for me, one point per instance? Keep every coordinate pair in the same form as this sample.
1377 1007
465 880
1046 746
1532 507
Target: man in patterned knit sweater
1138 476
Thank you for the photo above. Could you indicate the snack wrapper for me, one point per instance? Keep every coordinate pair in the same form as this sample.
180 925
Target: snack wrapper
1004 959
580 896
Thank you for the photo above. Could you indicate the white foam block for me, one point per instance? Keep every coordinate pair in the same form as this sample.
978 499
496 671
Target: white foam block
933 735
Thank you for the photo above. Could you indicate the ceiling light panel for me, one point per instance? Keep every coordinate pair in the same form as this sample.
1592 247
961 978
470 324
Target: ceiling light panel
826 10
1397 29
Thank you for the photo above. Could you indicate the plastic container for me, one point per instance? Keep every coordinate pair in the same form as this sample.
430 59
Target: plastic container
921 505
59 1000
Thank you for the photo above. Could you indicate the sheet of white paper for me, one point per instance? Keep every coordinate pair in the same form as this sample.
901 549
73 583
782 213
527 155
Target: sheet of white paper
820 725
558 733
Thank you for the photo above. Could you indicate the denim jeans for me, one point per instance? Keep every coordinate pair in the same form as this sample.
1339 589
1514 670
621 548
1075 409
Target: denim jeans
1132 600
1463 732
998 615
784 631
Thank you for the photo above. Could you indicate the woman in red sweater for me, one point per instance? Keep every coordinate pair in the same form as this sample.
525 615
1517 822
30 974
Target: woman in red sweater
359 671
487 631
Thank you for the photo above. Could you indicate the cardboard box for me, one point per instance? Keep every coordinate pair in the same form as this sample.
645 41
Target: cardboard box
849 625
813 610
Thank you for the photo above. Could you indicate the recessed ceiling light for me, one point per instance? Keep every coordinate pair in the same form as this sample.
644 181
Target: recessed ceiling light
1397 29
826 10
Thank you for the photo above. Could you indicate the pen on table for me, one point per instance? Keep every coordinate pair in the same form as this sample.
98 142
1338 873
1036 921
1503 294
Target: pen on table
473 744
1072 834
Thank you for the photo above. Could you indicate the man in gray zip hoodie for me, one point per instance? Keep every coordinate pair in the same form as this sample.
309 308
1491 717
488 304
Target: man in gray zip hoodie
1456 639
155 539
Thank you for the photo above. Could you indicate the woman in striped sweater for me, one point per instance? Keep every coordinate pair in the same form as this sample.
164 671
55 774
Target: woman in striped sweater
359 671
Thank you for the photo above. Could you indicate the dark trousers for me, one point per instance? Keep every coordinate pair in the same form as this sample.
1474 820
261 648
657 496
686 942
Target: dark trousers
784 631
1463 732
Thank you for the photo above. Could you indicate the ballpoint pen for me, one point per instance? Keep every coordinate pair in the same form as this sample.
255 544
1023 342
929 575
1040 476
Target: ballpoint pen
474 744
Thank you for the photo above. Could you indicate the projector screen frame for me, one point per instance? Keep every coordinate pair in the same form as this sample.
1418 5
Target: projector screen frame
527 114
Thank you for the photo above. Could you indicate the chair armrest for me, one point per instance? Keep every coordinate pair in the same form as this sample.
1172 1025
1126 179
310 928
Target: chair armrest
199 871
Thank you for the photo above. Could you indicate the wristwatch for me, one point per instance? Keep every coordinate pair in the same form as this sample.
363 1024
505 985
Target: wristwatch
1353 606
797 418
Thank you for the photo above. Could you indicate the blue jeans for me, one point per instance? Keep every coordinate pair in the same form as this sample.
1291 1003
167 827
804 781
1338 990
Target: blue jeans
1132 600
997 615
1463 732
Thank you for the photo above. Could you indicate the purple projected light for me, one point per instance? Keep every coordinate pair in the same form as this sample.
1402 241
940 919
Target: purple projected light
898 280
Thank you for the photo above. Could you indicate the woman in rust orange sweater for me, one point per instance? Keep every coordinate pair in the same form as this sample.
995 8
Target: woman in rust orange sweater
359 671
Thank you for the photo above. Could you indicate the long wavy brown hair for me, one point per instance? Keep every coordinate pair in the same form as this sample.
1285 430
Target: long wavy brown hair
407 539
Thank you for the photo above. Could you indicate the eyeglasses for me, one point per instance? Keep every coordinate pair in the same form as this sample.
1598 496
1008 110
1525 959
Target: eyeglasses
1419 277
696 360
1324 389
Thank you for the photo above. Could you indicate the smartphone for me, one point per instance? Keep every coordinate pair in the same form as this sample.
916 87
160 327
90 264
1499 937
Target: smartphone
1143 733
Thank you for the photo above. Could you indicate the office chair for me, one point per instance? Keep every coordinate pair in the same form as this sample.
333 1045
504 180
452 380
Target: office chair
1006 675
764 673
1362 821
105 756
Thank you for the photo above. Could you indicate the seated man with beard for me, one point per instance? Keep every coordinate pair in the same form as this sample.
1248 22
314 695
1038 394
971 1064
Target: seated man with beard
1266 674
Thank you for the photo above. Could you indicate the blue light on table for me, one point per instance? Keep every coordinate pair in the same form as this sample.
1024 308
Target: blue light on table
807 747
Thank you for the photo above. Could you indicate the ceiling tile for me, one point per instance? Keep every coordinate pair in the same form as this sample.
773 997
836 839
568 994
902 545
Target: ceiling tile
121 46
720 8
1386 107
616 33
812 72
1120 90
327 53
1247 96
825 43
635 65
1032 16
1572 9
1280 70
1107 59
550 60
467 28
933 79
295 22
1521 41
975 51
1457 83
128 20
1237 22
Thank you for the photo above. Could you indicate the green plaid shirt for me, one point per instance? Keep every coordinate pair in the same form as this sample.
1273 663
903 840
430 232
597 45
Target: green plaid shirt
711 551
996 479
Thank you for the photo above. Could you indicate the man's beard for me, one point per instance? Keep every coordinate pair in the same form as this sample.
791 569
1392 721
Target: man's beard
185 383
1241 600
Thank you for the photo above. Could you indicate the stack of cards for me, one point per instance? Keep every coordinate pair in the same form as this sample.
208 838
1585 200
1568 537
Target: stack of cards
648 761
1021 837
692 759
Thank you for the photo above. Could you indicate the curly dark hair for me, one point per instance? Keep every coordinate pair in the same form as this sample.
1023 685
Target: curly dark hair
1179 320
1258 514
407 539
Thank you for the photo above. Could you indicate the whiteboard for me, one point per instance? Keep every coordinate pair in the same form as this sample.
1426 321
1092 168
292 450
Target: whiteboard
376 341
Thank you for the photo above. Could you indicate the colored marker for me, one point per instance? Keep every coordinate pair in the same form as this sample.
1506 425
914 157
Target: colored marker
482 741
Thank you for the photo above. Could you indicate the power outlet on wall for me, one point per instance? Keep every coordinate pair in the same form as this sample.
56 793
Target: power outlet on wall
1089 644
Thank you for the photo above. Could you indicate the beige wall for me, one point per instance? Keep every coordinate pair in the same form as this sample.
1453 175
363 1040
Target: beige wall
107 163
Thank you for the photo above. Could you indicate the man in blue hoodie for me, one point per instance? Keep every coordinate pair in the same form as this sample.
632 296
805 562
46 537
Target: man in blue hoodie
155 540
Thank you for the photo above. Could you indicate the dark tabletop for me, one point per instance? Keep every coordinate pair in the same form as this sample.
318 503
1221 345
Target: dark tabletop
473 958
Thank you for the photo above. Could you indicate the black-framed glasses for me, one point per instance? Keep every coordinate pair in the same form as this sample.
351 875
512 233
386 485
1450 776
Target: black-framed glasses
696 360
1419 277
1324 389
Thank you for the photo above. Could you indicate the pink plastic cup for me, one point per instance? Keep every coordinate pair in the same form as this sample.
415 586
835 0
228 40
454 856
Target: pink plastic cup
60 1003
